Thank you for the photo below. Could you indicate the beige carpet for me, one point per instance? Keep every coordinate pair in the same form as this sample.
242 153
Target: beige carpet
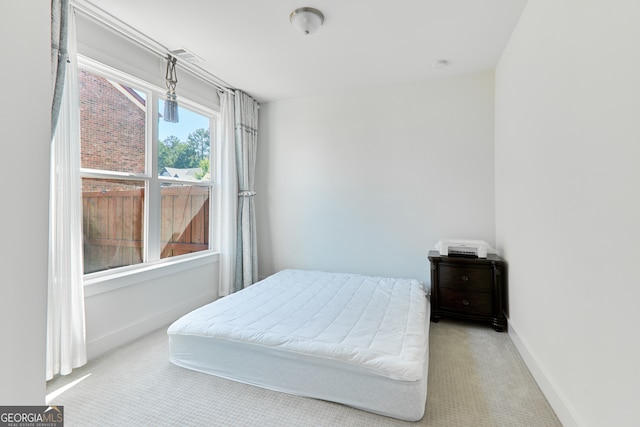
476 378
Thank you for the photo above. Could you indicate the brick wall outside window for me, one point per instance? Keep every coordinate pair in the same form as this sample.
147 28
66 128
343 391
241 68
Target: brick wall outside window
112 125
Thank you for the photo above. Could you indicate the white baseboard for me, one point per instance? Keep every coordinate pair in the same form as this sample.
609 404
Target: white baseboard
125 335
556 399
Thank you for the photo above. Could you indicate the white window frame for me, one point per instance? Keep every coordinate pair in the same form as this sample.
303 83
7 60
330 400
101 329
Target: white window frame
101 281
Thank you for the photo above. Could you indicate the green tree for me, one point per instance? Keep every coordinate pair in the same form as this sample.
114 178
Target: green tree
205 166
174 153
199 142
171 141
167 153
184 156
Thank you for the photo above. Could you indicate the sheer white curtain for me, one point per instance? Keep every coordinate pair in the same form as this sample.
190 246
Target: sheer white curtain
229 194
66 342
246 144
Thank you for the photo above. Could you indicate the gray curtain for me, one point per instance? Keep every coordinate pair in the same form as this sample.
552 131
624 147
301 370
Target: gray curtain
59 55
228 194
246 133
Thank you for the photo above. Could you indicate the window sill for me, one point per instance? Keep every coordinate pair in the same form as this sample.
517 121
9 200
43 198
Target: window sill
106 283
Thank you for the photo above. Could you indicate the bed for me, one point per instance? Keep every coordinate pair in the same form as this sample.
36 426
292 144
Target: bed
357 340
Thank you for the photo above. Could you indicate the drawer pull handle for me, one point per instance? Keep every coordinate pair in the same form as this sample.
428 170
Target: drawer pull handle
465 278
465 302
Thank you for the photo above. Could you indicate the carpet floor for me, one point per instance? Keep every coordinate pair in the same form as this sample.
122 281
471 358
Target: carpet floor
476 378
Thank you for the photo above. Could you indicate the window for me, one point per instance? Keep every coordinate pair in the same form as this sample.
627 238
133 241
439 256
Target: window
184 156
142 201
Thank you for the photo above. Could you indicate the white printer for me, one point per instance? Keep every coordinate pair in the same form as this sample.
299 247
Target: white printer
461 247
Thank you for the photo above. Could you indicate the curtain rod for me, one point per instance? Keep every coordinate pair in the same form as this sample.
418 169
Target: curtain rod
110 22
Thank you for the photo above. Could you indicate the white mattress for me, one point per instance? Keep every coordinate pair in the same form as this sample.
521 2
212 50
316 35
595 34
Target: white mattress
352 339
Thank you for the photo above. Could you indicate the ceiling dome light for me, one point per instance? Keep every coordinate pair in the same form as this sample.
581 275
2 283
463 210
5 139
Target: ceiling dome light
442 63
306 19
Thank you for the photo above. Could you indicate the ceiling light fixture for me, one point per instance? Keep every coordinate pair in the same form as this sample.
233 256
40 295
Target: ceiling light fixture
306 19
441 63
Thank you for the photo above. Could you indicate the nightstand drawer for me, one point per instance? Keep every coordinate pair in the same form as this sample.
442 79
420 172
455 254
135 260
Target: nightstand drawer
467 302
466 277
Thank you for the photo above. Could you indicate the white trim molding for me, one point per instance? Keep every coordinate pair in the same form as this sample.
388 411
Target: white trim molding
556 399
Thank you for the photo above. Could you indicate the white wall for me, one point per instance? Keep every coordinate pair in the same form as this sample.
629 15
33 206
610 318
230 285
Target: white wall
368 181
115 316
568 202
25 111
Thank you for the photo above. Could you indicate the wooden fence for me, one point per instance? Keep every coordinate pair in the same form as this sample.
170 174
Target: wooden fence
113 225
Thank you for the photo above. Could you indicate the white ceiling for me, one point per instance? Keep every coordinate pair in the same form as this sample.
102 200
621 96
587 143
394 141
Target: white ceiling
250 44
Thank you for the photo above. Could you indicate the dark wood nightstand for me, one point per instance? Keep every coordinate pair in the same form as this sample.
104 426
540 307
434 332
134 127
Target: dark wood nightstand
469 288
